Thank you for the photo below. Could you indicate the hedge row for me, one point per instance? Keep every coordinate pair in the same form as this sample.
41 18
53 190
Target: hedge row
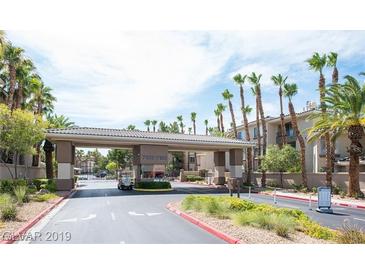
153 185
8 186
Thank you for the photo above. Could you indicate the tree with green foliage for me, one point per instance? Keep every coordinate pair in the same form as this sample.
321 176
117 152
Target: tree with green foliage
131 127
221 108
346 114
20 130
285 159
60 121
112 167
193 119
181 123
154 123
122 157
206 126
228 96
147 123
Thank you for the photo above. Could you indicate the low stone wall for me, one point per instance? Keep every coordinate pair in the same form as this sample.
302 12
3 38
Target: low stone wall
30 172
340 179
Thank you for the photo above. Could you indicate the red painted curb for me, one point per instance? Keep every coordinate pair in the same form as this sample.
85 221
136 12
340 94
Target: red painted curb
314 200
229 239
32 222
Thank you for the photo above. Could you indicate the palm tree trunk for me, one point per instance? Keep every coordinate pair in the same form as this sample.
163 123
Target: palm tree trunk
222 126
355 133
247 133
218 124
233 119
48 149
206 130
194 127
282 124
301 143
12 74
264 132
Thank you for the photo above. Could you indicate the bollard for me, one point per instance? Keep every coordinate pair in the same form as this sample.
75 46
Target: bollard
310 202
275 196
249 192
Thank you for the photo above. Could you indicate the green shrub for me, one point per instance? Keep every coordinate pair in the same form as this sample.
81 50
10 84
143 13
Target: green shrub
153 185
237 204
194 178
20 194
350 234
215 208
245 218
315 230
342 194
336 190
314 189
48 184
6 186
284 225
44 197
39 182
7 207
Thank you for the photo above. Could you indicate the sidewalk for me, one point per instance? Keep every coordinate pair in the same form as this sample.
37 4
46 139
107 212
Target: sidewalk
336 200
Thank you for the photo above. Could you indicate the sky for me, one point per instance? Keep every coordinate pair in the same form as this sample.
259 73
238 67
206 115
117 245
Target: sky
113 79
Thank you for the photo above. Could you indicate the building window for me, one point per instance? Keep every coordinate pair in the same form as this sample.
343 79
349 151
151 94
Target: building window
289 130
322 146
255 133
240 135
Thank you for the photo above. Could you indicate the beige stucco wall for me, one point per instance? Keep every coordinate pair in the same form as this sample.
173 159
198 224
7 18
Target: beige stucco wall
30 172
314 179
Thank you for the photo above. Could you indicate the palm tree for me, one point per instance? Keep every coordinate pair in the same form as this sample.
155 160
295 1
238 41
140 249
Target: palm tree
154 123
12 58
217 114
346 104
206 126
279 81
246 111
291 90
189 130
221 108
255 80
24 75
240 80
163 127
131 127
317 63
332 63
228 96
42 100
193 119
147 123
181 124
60 121
2 42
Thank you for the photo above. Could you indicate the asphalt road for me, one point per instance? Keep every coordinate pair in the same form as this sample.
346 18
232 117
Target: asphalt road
100 213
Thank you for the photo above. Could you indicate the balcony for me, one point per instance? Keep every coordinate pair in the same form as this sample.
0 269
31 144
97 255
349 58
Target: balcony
289 138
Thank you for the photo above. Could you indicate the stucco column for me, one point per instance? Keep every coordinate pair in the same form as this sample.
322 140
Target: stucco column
137 163
219 167
65 157
235 162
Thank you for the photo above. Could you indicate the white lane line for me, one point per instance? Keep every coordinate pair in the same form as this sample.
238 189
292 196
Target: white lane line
153 214
135 214
72 220
108 202
359 219
91 216
113 216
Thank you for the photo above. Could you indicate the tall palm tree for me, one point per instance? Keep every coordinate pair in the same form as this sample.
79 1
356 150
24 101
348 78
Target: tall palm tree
147 123
228 96
24 75
154 123
255 80
193 119
131 127
346 104
42 101
332 63
12 57
221 108
181 123
247 110
317 63
189 130
240 80
217 114
163 127
291 90
279 81
206 126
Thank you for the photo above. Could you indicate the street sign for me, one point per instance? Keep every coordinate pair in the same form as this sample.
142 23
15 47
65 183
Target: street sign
324 199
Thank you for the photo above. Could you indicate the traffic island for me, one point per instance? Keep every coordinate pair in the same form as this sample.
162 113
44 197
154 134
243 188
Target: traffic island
252 223
153 186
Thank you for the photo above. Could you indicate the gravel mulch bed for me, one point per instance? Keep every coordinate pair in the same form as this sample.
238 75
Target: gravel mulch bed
248 234
25 213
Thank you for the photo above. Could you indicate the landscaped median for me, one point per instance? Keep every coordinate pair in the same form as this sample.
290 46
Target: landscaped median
23 203
259 223
153 186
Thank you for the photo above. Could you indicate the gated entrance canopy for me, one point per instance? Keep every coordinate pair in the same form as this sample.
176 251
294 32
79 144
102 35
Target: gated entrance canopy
149 148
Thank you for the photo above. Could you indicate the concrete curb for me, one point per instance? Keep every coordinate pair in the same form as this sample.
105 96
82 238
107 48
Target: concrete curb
16 235
229 239
315 200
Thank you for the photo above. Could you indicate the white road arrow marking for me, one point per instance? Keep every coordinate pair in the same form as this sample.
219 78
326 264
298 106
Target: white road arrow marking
91 216
135 214
153 214
68 220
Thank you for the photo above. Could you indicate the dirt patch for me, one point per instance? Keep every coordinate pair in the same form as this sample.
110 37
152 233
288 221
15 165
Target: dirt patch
25 213
248 234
